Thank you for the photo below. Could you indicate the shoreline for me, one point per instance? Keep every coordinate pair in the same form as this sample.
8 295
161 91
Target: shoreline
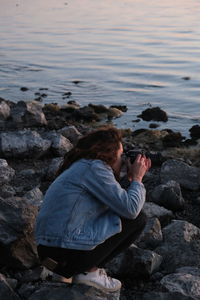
34 139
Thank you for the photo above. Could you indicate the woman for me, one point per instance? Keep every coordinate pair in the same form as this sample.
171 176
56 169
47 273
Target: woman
86 217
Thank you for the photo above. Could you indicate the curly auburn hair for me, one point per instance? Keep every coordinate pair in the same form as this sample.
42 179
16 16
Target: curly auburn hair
101 144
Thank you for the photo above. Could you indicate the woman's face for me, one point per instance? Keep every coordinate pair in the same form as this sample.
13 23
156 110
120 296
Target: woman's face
118 163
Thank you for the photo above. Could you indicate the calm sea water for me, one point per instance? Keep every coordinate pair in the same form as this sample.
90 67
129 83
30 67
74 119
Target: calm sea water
133 52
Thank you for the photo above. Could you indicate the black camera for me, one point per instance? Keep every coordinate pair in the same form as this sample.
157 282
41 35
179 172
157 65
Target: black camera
156 157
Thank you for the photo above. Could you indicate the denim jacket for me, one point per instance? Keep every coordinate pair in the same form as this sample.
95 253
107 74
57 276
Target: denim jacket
83 206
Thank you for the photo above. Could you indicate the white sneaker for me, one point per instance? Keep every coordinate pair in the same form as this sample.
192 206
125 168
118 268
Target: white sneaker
98 279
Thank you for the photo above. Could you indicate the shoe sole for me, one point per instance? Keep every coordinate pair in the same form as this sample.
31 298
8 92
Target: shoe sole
94 284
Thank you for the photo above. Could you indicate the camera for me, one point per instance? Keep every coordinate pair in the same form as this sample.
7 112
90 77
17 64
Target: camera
156 157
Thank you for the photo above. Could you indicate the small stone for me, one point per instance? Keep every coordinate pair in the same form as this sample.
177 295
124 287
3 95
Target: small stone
24 89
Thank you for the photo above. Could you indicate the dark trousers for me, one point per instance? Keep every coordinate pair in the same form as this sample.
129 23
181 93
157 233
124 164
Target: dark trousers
72 262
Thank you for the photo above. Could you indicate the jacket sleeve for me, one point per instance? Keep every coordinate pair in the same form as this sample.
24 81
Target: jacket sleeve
101 183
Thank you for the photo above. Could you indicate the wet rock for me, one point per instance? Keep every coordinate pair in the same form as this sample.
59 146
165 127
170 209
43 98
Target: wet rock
134 262
114 113
173 139
185 281
17 246
169 196
85 113
195 132
153 210
186 78
154 114
24 143
4 110
99 109
71 133
187 176
28 114
151 237
153 125
24 89
181 246
6 292
123 108
6 172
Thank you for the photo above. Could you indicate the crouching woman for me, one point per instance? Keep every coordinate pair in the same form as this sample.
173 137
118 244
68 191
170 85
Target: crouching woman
86 217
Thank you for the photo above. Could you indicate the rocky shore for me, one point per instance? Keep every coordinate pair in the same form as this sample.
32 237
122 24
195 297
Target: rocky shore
163 264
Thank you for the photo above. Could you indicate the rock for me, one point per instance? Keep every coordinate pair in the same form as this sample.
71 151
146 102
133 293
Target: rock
53 168
166 296
24 89
154 114
185 281
28 114
195 132
34 197
114 113
181 246
85 113
6 172
153 125
71 133
168 195
4 110
31 275
59 144
17 246
6 292
24 143
187 176
153 210
134 262
173 139
151 237
99 109
7 191
123 108
72 292
153 138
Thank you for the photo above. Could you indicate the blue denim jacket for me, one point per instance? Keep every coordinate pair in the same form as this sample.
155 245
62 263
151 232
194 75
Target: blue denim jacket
83 206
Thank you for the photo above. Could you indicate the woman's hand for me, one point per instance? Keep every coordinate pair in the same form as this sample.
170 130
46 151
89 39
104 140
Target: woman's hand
137 170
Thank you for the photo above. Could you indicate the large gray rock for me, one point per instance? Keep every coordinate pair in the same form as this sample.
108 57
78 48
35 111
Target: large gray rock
168 195
153 210
28 114
23 143
6 292
6 172
151 236
72 292
185 281
71 133
134 262
17 246
187 176
60 145
181 246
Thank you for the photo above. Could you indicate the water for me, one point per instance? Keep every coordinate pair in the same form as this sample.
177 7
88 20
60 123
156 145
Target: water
133 52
